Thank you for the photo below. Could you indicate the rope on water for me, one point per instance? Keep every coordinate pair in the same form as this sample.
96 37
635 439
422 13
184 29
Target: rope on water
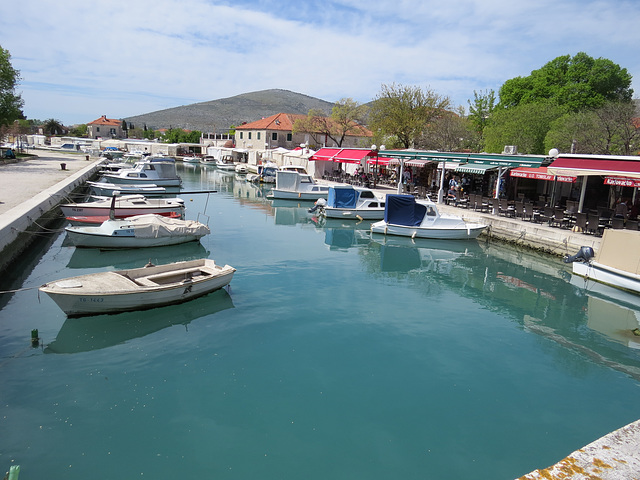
17 290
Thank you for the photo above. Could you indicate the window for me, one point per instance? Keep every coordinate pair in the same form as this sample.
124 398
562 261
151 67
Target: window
241 135
97 129
258 135
274 136
249 136
289 137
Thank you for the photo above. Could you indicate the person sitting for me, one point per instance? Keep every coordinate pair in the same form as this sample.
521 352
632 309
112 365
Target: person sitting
621 211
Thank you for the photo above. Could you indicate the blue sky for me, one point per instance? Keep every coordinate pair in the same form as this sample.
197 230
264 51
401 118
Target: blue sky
79 60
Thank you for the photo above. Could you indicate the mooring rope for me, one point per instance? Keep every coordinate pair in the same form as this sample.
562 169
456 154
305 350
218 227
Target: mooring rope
17 290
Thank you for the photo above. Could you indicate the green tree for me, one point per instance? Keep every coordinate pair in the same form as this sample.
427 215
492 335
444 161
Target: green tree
449 133
480 110
574 83
52 127
401 113
79 130
525 126
10 102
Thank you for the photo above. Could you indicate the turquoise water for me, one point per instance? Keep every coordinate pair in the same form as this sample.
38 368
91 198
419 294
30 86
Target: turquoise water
334 354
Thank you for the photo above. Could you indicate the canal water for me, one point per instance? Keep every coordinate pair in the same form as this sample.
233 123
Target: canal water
335 354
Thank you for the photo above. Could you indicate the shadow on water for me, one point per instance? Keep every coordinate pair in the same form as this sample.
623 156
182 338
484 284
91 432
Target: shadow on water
136 257
85 334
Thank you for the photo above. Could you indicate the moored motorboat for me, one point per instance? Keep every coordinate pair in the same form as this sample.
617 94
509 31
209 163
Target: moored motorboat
139 288
241 169
347 201
160 171
95 220
136 232
108 189
265 173
408 217
616 263
225 163
124 206
292 185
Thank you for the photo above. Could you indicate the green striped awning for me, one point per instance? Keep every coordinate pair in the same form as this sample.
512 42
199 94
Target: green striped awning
475 168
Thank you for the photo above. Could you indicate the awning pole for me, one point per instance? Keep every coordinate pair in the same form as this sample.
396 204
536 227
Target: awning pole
583 190
441 190
400 176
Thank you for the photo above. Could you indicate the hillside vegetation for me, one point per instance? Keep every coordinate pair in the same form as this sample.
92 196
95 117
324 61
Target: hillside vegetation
219 115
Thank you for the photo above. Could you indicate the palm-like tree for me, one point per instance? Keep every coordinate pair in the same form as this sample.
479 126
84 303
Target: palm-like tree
52 127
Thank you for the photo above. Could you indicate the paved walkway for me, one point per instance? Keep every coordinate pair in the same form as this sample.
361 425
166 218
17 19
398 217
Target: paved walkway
24 179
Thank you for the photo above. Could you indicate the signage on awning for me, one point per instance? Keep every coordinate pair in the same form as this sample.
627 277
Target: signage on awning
540 173
596 165
622 182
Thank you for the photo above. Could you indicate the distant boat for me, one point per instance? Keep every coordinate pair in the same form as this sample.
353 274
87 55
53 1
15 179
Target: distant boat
160 171
124 206
266 173
137 232
137 288
108 189
347 201
297 186
408 217
225 163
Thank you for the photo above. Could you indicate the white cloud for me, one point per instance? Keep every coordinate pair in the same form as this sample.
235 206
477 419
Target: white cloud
80 60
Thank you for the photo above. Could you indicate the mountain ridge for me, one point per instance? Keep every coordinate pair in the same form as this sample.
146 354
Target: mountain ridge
219 115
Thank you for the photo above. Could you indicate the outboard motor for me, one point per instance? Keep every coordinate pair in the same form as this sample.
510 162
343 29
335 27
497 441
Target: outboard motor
320 203
584 255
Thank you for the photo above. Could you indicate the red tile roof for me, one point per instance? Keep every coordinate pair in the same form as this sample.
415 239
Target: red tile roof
103 120
285 121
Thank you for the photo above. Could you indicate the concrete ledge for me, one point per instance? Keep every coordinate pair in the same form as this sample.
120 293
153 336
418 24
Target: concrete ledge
612 457
18 225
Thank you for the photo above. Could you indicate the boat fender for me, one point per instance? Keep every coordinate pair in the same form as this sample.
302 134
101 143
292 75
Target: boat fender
413 235
584 255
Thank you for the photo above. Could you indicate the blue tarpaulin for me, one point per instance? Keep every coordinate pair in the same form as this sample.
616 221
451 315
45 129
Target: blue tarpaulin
403 210
342 197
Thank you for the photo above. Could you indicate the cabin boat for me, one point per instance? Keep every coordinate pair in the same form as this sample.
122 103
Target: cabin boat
160 171
266 173
297 186
136 232
616 263
138 288
226 163
347 201
124 206
408 217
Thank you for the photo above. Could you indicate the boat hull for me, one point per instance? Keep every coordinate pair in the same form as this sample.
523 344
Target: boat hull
125 239
292 195
129 290
468 231
607 276
354 213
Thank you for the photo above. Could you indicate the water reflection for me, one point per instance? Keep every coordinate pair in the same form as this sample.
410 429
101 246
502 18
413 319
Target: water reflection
343 234
136 257
102 331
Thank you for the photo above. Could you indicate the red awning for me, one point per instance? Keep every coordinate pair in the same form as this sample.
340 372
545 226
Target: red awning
540 173
384 161
622 181
344 155
581 166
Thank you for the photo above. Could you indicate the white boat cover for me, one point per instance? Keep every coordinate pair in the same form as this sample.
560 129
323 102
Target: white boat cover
155 226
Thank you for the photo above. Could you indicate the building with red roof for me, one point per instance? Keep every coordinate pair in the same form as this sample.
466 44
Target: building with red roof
105 128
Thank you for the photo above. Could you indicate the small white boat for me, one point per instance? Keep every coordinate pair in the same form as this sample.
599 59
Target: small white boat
225 163
124 206
160 171
137 232
346 201
617 262
241 169
266 173
208 160
138 288
191 159
408 217
297 186
95 220
108 189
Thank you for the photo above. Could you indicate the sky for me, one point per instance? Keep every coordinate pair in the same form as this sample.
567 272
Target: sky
79 60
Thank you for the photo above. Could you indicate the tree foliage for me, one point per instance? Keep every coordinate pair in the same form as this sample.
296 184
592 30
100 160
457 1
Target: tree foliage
346 118
608 130
574 83
177 135
52 126
480 110
401 113
10 102
525 126
449 133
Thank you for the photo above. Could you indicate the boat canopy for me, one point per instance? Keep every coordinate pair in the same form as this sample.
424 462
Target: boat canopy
403 210
342 197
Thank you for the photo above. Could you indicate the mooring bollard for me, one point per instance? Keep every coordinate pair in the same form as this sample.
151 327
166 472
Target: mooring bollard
63 166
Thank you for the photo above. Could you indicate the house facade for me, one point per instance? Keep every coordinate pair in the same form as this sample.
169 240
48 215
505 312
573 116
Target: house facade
105 128
277 131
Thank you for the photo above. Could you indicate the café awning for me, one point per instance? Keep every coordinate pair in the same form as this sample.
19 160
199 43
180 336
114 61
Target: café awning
382 161
343 155
586 165
475 168
540 173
